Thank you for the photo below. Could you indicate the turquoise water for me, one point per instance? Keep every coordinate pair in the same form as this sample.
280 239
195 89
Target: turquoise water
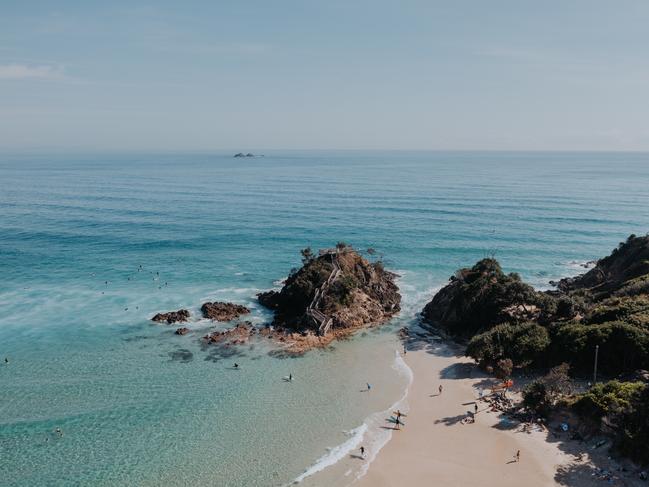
141 406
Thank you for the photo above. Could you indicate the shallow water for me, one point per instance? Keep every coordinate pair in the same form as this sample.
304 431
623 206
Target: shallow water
139 405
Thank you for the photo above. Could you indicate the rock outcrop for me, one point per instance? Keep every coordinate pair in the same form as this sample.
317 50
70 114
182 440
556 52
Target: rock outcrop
221 311
172 316
333 294
623 273
182 331
238 335
478 298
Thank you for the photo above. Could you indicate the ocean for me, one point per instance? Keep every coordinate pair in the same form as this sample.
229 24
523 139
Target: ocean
138 405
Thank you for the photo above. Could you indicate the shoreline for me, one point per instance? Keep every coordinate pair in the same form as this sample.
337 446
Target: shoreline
435 447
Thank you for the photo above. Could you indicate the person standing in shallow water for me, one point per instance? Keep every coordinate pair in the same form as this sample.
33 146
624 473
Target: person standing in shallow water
362 452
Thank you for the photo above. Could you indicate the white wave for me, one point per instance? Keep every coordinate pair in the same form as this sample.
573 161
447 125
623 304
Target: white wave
370 434
335 454
378 437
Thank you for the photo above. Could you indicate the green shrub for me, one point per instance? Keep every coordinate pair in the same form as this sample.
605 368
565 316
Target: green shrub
633 434
622 347
542 394
608 398
523 344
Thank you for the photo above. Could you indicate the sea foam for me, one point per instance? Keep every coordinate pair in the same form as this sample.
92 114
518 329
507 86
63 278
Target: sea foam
370 434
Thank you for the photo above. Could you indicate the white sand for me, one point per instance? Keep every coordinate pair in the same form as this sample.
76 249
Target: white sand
435 448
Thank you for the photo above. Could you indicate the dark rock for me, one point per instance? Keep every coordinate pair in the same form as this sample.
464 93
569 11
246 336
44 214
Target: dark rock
182 331
269 299
172 316
338 287
478 298
238 335
624 272
221 311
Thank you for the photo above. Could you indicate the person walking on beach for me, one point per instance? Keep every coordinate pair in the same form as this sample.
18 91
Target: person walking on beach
518 456
440 389
476 408
369 387
363 452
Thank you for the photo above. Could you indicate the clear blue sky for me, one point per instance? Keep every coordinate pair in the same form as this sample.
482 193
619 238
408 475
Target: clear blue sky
346 74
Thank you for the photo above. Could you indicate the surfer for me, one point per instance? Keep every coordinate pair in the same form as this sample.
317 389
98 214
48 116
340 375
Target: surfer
290 377
6 360
236 365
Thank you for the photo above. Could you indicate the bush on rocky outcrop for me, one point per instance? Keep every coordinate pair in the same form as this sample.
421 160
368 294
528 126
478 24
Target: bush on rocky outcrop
523 344
630 309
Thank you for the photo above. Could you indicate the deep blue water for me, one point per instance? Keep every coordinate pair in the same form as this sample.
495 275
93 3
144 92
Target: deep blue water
141 406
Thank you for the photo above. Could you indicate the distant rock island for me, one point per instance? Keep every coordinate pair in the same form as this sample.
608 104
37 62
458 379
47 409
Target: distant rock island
249 154
333 294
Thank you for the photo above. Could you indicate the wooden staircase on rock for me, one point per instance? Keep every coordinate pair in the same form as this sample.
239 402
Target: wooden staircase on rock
323 321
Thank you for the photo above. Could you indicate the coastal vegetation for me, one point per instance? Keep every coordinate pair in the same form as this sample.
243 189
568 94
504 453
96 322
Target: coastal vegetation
604 311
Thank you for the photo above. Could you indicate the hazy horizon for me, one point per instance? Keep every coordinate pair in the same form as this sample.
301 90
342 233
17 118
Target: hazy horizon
227 76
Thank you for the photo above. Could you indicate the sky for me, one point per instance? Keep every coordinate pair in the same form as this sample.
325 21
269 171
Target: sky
248 75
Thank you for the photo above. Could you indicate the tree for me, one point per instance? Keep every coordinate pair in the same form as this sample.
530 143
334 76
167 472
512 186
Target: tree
307 255
503 368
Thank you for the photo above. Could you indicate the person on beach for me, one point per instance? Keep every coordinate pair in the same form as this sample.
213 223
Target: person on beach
369 387
363 452
476 408
440 389
518 456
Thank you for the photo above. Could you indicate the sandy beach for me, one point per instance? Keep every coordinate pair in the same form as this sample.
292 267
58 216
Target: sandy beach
436 448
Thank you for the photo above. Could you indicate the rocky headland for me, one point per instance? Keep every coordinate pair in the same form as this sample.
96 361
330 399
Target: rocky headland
509 328
332 295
